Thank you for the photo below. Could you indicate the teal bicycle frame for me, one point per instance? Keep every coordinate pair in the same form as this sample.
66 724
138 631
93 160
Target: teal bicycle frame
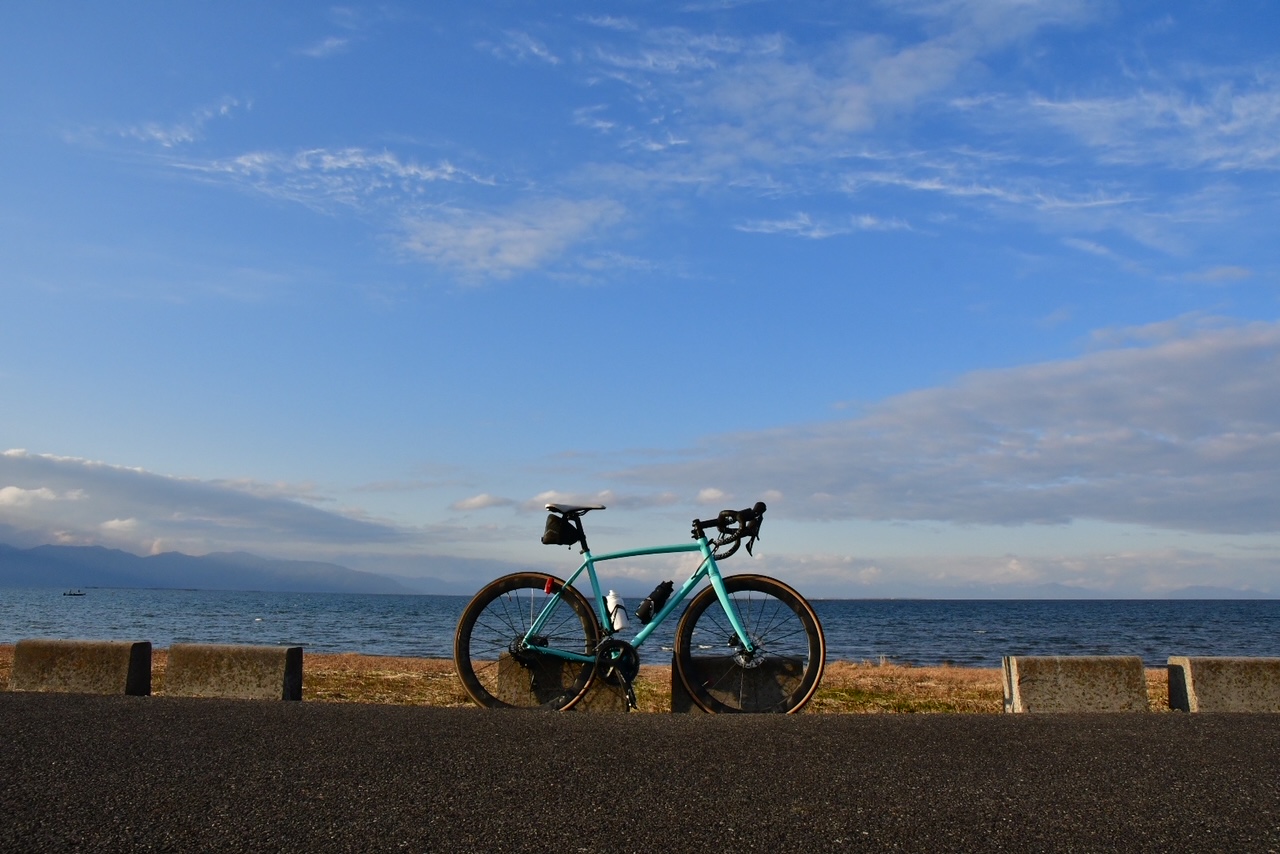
707 569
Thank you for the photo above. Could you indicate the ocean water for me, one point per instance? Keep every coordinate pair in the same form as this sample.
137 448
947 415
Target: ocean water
917 631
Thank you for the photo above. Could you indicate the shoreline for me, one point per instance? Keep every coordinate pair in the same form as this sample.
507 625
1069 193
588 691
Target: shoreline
846 688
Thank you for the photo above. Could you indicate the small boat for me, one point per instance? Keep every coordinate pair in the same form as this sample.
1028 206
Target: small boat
73 593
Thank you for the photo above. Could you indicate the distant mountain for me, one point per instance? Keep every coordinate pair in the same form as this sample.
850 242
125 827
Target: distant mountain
95 566
1203 592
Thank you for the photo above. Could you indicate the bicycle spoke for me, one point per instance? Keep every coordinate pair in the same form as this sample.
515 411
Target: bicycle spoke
782 670
493 667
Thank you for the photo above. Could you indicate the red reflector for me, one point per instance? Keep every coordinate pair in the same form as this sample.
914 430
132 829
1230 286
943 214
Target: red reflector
547 587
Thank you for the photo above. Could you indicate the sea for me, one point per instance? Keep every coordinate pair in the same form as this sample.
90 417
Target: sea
970 633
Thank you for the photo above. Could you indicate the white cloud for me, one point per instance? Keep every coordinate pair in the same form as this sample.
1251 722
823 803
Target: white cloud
1180 433
15 496
499 245
483 501
135 508
607 497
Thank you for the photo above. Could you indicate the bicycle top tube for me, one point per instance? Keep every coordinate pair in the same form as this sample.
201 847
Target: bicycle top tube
648 550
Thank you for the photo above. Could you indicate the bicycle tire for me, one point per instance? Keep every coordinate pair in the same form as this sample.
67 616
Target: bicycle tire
495 673
782 674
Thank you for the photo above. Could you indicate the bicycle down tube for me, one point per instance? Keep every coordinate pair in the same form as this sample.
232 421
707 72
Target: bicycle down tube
706 569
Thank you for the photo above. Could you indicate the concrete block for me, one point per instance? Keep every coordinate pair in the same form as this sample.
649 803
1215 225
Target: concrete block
544 680
1204 684
234 671
82 667
765 685
1083 683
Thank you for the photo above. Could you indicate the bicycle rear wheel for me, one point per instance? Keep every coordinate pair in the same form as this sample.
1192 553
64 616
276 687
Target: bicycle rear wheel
497 672
780 675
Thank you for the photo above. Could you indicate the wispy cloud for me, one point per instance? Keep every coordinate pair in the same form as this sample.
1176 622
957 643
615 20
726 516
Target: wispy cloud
1233 126
326 47
1181 432
611 22
519 46
186 130
802 225
1221 275
323 178
483 244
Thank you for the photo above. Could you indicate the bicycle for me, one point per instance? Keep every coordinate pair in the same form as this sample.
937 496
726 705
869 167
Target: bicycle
745 643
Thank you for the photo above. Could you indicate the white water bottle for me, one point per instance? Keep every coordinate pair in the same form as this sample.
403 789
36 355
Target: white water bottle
617 611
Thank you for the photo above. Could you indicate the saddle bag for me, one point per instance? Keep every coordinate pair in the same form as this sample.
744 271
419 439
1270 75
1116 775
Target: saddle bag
559 531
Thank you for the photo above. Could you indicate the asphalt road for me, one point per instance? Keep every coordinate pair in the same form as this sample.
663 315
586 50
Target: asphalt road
81 773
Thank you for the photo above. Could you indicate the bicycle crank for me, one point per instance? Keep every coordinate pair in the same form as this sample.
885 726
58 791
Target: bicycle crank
617 657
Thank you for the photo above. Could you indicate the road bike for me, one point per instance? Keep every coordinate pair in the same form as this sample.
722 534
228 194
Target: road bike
744 643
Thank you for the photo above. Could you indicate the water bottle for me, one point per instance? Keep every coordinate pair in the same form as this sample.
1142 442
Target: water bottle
617 610
654 602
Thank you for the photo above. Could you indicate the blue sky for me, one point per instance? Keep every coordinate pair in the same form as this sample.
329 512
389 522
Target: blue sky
978 295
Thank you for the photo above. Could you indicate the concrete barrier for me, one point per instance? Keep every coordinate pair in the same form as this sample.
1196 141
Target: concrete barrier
1085 683
233 671
764 684
1204 684
519 686
82 666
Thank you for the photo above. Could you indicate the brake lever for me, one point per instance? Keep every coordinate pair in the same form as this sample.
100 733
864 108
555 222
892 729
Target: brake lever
752 520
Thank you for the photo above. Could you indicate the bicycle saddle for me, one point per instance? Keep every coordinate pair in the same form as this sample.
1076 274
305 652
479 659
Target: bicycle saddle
574 508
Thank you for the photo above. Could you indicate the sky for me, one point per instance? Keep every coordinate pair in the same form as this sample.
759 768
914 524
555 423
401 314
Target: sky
982 297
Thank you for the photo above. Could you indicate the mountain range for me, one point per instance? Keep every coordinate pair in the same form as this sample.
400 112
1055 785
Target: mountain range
96 566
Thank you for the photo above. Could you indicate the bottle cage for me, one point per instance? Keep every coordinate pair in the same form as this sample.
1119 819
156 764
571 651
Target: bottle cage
734 526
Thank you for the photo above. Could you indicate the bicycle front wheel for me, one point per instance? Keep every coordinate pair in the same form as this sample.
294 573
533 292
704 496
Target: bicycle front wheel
780 674
497 671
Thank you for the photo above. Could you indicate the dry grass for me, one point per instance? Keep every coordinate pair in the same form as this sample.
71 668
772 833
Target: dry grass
350 678
847 688
880 688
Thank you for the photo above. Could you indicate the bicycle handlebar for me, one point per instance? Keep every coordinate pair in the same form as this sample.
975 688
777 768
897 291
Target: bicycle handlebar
734 526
